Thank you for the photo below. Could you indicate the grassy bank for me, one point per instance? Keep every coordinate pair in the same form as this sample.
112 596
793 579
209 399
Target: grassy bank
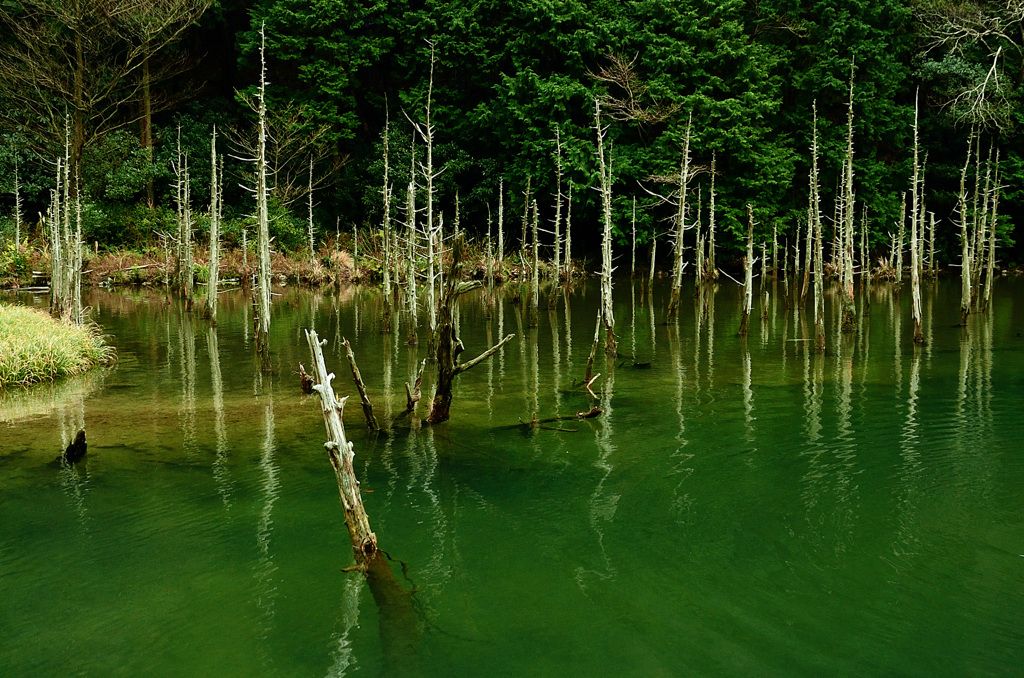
35 347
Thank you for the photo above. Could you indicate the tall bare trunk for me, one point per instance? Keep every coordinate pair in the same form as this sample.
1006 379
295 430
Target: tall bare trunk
535 268
915 258
748 274
388 236
607 312
449 346
263 218
965 239
215 212
990 260
680 224
815 225
849 321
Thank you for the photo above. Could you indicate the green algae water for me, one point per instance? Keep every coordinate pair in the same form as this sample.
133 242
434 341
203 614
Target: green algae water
742 506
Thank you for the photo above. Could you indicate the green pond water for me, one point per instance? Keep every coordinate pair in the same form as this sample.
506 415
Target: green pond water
741 507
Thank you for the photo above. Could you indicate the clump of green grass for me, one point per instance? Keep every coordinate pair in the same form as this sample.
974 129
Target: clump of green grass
35 347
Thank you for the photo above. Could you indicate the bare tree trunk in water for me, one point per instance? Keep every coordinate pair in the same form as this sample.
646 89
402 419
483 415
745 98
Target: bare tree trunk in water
915 250
607 314
449 346
263 221
215 212
399 623
815 224
990 263
340 451
748 274
965 254
680 226
849 320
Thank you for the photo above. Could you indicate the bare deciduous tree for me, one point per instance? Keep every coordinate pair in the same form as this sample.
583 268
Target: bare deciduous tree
87 58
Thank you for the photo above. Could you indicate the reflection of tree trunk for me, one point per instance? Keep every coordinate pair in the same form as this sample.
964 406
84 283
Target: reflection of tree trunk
399 623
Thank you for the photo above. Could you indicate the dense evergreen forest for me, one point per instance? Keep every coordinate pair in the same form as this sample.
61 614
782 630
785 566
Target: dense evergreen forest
127 89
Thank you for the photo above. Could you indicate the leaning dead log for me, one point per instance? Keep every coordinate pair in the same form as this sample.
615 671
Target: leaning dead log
399 623
449 346
371 420
364 541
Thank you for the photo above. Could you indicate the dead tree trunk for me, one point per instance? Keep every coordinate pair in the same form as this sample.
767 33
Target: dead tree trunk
501 228
748 274
915 249
399 622
680 226
990 262
371 420
364 541
712 272
215 212
558 215
965 240
607 313
263 218
815 224
849 320
449 346
385 325
535 266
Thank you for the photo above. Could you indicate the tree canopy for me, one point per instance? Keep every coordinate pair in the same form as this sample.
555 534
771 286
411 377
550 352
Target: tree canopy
508 77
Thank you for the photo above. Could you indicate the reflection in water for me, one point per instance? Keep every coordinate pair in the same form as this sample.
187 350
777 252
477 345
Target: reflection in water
710 310
815 477
682 503
266 586
535 375
653 347
490 373
74 480
438 570
845 450
603 503
389 350
897 332
567 305
187 355
556 359
46 399
501 333
748 395
343 657
221 474
905 544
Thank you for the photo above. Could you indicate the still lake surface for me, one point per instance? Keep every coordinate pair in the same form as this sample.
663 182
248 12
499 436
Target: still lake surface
741 507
